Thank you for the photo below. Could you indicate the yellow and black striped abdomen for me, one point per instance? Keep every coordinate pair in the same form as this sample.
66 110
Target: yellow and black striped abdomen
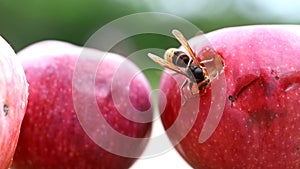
180 59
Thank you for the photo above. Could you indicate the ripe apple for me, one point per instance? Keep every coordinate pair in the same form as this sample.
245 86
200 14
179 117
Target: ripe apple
13 100
61 128
260 122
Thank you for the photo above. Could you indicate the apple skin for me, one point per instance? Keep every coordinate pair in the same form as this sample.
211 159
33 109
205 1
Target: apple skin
51 134
260 125
13 100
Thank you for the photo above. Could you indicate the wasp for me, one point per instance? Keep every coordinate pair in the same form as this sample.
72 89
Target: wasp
198 77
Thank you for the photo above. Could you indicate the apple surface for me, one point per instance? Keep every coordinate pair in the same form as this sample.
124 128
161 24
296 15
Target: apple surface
13 100
260 122
62 128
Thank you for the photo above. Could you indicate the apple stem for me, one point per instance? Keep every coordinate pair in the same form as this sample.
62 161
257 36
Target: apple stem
5 109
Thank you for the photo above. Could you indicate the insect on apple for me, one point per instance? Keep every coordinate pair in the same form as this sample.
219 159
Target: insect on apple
199 76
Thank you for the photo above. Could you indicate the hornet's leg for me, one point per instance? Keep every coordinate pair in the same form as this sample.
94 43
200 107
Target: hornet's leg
192 89
184 84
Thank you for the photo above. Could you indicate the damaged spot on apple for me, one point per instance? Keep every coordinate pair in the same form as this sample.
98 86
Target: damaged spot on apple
244 82
231 98
298 148
5 109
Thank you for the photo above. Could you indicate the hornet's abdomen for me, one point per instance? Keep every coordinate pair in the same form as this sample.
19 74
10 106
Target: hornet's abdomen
180 59
197 73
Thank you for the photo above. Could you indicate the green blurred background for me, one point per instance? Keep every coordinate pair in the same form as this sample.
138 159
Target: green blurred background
74 21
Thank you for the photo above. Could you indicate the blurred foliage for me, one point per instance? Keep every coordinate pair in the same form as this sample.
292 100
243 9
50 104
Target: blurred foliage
25 22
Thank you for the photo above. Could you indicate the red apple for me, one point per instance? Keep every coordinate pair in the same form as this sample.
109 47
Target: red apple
13 100
260 122
62 128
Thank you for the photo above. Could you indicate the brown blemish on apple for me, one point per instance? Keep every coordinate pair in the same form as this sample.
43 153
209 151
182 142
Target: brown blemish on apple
275 73
298 148
263 119
231 98
251 96
5 109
